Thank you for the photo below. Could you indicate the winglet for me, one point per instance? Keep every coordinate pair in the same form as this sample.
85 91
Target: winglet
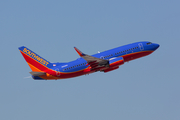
79 52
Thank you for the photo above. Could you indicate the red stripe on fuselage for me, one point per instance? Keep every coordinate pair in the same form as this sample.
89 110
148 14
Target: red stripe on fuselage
76 73
136 55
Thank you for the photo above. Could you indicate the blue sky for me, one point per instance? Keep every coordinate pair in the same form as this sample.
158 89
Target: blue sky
143 89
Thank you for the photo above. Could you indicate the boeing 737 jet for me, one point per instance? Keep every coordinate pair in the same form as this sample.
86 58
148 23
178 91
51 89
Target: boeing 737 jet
104 61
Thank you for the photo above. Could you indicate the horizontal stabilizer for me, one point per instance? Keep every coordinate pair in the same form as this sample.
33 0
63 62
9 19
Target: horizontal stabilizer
37 73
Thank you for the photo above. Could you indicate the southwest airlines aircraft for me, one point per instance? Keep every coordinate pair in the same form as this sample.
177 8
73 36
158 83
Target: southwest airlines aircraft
104 62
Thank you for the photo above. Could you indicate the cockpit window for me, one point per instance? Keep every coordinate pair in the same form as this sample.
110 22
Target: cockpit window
149 43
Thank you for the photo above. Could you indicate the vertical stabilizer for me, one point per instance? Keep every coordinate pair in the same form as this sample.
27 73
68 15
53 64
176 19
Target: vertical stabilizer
35 62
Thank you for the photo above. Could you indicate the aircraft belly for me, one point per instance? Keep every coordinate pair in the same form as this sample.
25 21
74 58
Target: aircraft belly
132 56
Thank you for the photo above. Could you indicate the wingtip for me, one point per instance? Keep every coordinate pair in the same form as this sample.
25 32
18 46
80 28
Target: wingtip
79 52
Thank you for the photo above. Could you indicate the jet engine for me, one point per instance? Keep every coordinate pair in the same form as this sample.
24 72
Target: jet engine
114 63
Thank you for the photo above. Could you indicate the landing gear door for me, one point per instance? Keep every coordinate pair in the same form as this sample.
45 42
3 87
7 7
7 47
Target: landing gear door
141 46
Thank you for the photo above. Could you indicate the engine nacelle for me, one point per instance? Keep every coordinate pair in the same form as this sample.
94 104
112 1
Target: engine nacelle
114 64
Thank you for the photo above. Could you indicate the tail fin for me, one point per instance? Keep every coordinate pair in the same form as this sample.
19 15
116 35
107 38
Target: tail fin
35 62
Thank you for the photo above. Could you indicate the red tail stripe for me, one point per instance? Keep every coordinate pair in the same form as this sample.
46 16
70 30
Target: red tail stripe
33 62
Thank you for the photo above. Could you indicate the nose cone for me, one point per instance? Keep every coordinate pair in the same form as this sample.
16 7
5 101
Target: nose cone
156 46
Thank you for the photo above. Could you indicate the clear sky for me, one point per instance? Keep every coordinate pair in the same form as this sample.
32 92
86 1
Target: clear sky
144 89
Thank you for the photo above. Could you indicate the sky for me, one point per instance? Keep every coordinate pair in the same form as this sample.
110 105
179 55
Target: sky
143 89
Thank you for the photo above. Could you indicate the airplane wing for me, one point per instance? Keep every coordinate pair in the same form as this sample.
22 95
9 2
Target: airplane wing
94 62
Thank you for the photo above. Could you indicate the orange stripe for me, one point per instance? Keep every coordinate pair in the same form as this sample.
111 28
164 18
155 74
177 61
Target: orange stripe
33 68
47 76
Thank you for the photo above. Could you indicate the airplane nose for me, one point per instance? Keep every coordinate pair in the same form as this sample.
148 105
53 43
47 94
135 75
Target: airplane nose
156 46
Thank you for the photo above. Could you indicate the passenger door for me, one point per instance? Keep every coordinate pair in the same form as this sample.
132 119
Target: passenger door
141 46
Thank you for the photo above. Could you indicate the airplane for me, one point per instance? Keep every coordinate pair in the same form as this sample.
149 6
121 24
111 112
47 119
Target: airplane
102 61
